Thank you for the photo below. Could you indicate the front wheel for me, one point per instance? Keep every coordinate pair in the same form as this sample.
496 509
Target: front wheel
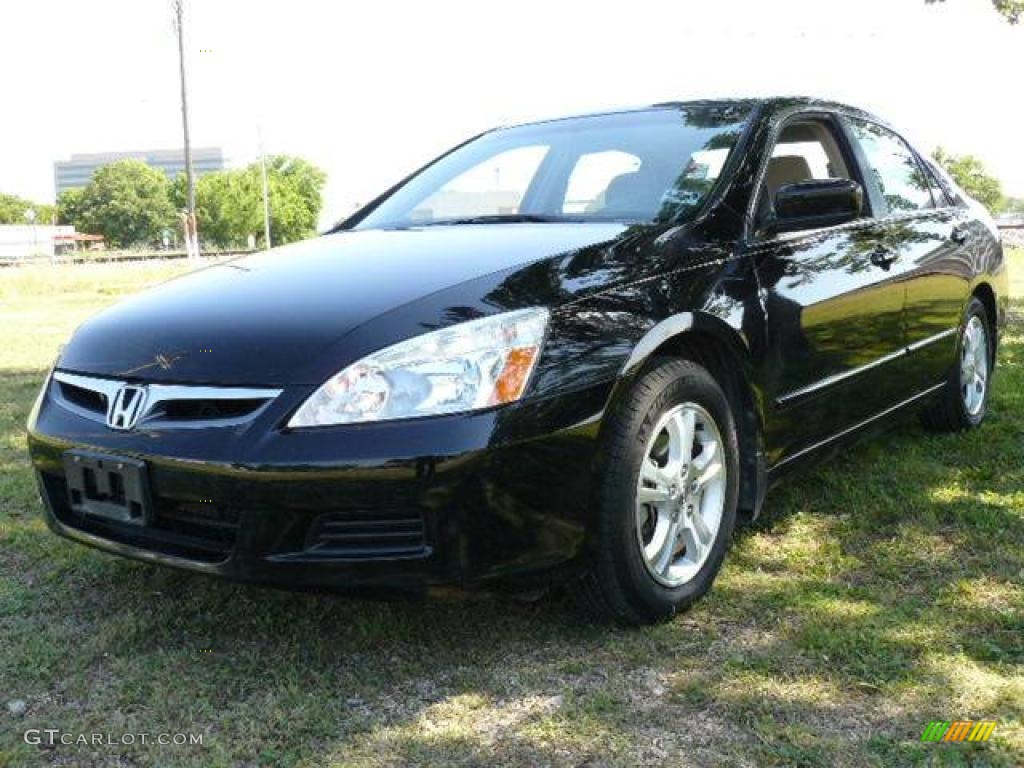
666 501
963 402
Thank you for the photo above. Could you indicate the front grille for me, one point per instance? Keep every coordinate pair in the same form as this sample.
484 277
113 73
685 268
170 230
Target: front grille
365 535
208 410
164 406
199 532
88 399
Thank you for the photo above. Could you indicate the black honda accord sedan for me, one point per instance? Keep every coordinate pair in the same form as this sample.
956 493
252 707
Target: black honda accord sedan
581 348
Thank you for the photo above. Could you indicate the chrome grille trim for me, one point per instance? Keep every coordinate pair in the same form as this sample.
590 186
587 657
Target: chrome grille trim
159 394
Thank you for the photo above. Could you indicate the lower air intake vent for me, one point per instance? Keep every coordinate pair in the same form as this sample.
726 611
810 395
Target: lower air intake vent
362 535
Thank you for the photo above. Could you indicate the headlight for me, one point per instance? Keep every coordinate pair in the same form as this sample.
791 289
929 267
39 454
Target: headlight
465 367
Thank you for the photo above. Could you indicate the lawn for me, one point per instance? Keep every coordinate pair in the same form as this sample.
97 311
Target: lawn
877 593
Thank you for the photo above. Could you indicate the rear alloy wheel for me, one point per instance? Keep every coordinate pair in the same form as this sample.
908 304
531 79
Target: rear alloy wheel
963 402
974 366
666 497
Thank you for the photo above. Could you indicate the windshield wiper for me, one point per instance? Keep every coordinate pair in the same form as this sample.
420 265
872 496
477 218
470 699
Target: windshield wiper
502 218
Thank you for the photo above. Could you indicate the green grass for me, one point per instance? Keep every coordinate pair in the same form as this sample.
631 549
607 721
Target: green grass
877 593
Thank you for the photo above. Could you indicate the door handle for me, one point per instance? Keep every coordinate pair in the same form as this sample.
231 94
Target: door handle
883 258
959 235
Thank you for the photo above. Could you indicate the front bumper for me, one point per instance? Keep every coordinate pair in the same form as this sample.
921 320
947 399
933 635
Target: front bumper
491 498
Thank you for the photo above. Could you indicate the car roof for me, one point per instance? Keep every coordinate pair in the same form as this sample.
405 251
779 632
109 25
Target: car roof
779 103
769 104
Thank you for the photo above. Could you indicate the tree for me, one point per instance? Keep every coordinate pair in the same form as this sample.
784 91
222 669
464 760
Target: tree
69 208
229 207
13 209
127 202
179 193
229 204
969 172
1011 10
296 189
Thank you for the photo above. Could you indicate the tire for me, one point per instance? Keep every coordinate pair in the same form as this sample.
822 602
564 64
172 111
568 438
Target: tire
957 408
625 581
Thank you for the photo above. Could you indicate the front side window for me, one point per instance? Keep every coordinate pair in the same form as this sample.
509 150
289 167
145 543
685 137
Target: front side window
649 165
806 150
900 177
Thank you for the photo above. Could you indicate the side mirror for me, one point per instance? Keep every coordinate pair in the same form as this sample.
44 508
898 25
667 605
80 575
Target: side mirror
817 203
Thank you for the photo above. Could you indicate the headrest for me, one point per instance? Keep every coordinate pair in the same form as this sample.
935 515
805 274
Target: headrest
786 169
633 192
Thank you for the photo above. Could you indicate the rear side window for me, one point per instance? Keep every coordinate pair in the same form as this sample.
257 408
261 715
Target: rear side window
902 180
942 191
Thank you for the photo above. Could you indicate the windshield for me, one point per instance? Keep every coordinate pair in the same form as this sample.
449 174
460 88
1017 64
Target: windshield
633 166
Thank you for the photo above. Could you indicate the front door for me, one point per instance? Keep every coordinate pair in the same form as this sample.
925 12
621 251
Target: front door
833 303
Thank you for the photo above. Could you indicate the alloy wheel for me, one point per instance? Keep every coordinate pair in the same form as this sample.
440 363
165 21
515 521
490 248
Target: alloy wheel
974 365
680 494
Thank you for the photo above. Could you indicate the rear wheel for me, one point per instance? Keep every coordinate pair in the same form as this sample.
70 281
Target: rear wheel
963 402
667 496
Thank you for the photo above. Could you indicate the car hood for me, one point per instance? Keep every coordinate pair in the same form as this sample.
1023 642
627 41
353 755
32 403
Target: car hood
265 319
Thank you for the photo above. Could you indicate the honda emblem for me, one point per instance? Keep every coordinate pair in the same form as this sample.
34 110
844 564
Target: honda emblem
126 407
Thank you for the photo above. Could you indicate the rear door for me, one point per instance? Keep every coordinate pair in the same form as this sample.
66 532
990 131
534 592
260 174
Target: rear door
832 298
932 236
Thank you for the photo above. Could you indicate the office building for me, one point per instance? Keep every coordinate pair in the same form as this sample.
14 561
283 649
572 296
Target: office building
78 171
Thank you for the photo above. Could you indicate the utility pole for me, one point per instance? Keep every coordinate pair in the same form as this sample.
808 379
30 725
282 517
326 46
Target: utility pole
191 233
266 192
30 216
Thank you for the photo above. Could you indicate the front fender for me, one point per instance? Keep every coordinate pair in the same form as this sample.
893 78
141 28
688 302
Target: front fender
725 352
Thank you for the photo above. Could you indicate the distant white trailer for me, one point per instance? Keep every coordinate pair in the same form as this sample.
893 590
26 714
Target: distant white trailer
25 241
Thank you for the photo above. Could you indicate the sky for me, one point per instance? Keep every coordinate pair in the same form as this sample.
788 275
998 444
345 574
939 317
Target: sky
370 91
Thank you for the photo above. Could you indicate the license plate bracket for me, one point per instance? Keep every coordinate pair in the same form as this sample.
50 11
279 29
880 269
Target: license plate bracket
110 487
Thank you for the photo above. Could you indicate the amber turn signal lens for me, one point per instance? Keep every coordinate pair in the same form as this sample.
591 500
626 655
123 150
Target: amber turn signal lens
512 381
